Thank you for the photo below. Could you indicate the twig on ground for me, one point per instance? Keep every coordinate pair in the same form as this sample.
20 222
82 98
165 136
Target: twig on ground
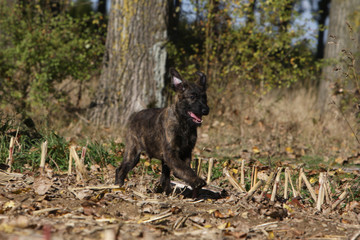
300 181
199 166
327 190
255 175
286 183
242 174
70 164
180 222
355 236
291 184
166 214
96 187
10 159
252 177
45 210
267 184
320 199
254 188
341 198
81 173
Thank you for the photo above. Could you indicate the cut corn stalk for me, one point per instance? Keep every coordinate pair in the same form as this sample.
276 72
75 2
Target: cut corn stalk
211 163
276 184
43 156
233 181
242 174
308 185
10 159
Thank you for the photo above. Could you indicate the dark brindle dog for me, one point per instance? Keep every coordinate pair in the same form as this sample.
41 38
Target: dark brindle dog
168 134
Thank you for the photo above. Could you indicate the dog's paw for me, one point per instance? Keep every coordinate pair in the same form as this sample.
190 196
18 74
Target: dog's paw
199 183
119 182
160 189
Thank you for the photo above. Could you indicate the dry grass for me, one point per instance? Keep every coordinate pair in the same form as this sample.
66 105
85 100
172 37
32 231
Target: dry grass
279 120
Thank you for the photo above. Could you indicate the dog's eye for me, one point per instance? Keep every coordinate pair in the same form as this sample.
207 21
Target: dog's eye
193 97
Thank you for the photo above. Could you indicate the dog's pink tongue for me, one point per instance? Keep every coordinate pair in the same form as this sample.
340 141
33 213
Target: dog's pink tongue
196 118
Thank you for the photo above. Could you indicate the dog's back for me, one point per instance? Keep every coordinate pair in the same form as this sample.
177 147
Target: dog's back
146 128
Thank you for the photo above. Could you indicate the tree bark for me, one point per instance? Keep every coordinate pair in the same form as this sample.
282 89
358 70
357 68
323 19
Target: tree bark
339 39
133 70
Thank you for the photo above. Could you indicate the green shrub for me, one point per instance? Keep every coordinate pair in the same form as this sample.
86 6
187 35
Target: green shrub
235 44
39 49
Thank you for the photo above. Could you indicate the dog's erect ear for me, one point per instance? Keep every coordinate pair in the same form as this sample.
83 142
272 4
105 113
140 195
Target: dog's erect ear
176 80
202 80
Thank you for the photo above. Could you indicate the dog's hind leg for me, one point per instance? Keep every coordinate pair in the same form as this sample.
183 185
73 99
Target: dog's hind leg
131 158
165 179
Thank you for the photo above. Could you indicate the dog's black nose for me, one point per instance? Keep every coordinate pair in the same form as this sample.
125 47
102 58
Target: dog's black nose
205 111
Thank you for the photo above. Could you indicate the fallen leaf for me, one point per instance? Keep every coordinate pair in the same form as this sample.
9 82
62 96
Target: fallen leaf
271 235
262 175
198 220
8 205
218 214
339 160
83 194
295 202
41 185
255 149
224 225
289 150
287 207
4 227
245 215
175 210
312 180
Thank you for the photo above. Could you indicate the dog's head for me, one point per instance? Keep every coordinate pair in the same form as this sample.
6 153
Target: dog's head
191 98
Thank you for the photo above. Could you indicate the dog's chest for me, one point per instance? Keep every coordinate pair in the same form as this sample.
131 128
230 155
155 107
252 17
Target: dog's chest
185 141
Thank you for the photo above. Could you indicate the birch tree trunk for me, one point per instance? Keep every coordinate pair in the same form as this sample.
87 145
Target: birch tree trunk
340 38
133 70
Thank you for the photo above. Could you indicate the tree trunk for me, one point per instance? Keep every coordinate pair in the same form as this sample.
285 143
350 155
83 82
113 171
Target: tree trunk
323 8
101 7
133 70
340 38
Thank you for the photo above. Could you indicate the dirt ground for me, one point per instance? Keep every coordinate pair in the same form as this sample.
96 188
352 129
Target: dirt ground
52 206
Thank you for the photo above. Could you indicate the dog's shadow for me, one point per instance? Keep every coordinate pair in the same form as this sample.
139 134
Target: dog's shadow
204 193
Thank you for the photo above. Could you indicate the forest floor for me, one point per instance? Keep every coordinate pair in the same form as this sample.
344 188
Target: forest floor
52 206
55 205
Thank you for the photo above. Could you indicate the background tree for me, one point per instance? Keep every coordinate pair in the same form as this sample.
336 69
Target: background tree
343 44
323 9
244 44
133 70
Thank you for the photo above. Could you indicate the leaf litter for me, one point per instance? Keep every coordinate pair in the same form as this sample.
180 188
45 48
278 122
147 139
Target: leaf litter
247 202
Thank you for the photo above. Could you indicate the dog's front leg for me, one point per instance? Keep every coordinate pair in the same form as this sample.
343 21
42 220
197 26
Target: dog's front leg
187 161
183 171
